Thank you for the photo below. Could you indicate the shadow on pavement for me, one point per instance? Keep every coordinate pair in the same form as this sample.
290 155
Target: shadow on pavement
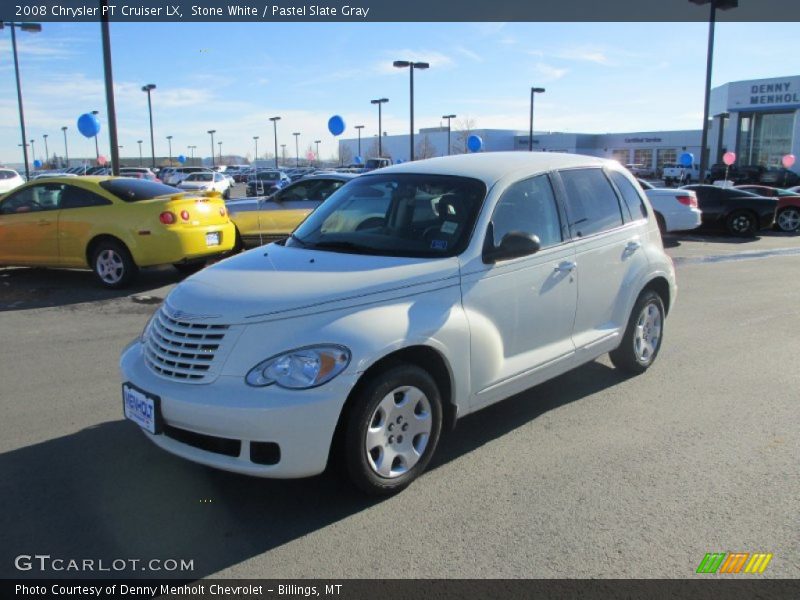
106 492
23 288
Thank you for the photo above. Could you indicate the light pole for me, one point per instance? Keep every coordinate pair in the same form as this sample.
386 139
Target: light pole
192 149
33 150
402 64
96 145
360 127
275 130
379 102
211 132
317 142
66 150
448 117
46 150
149 88
31 28
169 140
283 153
255 139
140 151
534 90
220 152
722 5
296 135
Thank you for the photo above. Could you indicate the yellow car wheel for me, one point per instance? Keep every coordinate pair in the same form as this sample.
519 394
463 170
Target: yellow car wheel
112 264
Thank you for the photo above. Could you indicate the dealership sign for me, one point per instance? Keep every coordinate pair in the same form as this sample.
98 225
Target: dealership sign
765 93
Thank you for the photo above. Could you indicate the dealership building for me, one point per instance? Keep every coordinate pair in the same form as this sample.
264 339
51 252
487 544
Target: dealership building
758 119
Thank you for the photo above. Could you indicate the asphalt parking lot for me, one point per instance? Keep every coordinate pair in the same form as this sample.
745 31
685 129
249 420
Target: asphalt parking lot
590 475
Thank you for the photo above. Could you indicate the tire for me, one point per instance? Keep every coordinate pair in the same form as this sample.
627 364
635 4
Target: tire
227 193
741 223
399 413
113 265
788 219
642 339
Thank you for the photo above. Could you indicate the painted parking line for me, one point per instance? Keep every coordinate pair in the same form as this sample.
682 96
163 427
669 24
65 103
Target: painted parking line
746 255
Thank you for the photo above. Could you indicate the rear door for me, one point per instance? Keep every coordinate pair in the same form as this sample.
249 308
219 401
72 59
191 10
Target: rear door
608 253
81 211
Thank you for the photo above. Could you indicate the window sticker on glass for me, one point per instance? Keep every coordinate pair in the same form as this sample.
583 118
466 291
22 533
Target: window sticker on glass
449 227
438 244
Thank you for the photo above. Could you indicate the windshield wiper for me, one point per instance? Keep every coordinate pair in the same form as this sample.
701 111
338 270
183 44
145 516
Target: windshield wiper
344 246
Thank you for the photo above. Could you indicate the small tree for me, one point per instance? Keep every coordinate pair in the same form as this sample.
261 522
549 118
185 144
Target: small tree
424 148
463 130
345 154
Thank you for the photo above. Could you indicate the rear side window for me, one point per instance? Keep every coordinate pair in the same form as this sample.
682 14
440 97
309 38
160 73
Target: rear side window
75 197
629 194
6 174
592 204
133 190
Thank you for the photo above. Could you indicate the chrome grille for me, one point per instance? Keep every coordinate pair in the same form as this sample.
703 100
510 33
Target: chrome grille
180 349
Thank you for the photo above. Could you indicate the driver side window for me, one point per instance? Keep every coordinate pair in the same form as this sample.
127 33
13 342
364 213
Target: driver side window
530 207
36 198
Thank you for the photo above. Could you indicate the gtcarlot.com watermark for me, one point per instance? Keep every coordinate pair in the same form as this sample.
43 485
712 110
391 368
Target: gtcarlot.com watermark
45 563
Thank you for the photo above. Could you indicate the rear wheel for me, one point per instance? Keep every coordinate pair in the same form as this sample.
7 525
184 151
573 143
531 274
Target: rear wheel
662 224
642 339
112 264
741 223
788 219
392 430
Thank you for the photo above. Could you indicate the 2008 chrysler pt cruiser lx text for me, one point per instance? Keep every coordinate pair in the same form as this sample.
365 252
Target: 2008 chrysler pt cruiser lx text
414 295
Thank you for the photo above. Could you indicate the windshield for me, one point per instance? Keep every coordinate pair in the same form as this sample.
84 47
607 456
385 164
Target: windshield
267 176
395 215
200 177
133 190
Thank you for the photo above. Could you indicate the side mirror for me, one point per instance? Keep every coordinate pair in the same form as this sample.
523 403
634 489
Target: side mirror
514 244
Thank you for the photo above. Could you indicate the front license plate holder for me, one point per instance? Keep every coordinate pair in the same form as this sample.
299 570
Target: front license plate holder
142 408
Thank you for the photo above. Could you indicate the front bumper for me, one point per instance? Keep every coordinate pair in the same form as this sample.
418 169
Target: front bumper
226 424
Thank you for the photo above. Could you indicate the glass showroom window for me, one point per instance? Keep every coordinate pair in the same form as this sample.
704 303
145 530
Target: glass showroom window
643 156
666 156
621 156
764 138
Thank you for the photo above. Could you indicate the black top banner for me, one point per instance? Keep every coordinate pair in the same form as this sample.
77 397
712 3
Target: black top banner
399 11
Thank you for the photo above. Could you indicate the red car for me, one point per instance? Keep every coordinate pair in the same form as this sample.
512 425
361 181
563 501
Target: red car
787 217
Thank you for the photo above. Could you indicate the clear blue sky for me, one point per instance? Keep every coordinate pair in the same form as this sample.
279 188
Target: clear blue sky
599 77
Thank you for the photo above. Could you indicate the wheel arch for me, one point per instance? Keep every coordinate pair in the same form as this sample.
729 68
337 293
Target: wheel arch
425 357
99 238
660 286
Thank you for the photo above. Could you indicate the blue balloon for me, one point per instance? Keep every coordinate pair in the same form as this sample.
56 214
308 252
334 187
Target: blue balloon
336 125
37 163
474 143
88 125
359 160
686 159
181 158
398 161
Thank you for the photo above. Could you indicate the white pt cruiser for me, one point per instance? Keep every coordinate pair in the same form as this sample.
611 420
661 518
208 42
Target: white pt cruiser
413 296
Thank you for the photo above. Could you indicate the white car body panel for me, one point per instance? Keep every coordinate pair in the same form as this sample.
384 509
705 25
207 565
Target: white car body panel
677 216
500 328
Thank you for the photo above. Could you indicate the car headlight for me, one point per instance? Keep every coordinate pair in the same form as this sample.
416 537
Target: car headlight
302 368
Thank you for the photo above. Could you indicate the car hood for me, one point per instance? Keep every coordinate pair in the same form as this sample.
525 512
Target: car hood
273 282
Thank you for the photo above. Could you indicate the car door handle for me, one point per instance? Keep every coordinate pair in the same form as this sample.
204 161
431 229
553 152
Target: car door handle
565 267
632 246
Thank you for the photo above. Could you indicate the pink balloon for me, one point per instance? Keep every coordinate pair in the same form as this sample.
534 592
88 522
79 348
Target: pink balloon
310 156
729 158
101 160
787 161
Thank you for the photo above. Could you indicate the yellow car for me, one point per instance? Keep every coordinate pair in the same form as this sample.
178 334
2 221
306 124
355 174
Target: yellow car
113 225
262 220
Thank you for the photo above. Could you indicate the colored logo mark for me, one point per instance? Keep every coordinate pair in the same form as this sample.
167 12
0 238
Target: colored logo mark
734 562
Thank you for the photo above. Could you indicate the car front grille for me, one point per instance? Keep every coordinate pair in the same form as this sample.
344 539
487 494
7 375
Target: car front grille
182 350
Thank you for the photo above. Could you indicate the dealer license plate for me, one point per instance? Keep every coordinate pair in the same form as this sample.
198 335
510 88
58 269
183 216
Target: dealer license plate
142 408
212 238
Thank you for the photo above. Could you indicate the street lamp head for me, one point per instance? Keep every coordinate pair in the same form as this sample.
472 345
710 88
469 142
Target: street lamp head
537 90
720 4
379 101
273 119
317 141
44 135
421 65
31 27
139 141
169 137
359 126
296 133
148 87
448 116
255 137
401 64
64 128
211 131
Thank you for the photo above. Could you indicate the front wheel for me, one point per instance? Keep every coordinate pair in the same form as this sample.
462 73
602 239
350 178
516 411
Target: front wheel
642 339
788 219
741 223
392 430
113 265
